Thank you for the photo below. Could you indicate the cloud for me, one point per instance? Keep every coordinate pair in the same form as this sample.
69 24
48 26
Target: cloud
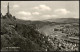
46 16
15 6
49 16
23 18
35 13
24 13
29 18
54 15
42 8
61 11
43 17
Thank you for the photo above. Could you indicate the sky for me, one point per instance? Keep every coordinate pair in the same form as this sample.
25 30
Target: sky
41 10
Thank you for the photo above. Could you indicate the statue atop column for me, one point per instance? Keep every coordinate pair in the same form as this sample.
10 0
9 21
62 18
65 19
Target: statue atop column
8 8
8 15
8 11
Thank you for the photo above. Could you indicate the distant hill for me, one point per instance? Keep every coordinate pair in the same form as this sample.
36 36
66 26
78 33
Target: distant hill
64 20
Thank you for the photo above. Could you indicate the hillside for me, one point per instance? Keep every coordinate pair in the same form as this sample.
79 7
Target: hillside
23 35
64 20
31 35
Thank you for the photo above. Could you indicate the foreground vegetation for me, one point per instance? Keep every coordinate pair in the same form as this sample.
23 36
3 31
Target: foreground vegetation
31 35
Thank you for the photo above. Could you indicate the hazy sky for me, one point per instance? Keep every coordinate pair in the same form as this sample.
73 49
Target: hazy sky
41 10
